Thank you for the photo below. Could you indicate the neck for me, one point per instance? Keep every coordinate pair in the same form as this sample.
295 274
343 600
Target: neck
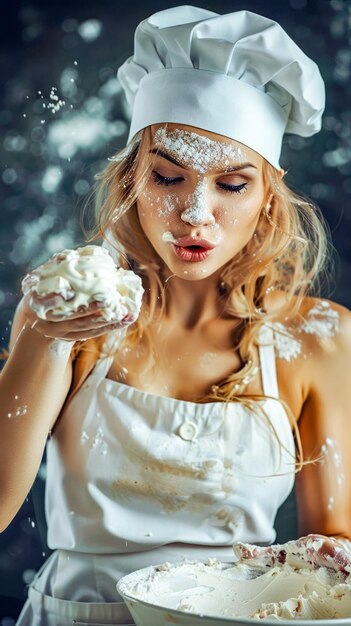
193 303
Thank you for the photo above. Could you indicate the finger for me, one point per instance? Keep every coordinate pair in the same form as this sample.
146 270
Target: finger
95 333
84 335
62 328
81 313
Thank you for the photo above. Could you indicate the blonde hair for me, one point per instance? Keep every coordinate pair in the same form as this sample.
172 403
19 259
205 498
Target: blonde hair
287 252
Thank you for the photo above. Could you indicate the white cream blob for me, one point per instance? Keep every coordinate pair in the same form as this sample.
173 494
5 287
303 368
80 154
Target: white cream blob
83 276
168 237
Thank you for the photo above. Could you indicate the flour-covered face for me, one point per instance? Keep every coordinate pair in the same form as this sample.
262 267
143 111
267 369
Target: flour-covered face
203 199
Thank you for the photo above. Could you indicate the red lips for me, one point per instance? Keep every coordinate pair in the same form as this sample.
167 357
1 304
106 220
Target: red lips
192 241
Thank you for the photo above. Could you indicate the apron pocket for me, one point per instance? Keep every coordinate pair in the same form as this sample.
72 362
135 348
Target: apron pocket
57 612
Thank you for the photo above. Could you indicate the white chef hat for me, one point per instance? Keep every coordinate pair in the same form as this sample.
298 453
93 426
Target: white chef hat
239 75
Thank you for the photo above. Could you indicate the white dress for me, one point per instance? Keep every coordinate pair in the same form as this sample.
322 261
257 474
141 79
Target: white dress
135 479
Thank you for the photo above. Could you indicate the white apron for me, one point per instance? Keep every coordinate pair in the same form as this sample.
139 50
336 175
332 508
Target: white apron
135 479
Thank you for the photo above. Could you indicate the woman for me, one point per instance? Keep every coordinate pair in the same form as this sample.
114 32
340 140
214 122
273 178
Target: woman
176 437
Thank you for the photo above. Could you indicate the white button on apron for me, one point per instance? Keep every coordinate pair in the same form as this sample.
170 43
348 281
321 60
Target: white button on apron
188 431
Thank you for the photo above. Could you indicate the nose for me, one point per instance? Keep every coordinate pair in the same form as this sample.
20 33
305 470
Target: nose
198 210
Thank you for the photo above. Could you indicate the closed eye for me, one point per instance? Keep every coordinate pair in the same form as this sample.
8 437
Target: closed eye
164 180
233 188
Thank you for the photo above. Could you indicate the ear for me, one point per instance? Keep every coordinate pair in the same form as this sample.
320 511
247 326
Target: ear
282 172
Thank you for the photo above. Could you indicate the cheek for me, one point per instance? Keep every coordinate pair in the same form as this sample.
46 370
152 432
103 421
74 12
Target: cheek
147 207
147 202
158 205
240 212
168 206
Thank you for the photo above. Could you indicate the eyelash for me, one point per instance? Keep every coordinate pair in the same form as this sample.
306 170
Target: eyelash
162 180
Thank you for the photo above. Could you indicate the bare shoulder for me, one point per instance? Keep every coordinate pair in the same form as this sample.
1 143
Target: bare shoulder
324 326
321 326
312 347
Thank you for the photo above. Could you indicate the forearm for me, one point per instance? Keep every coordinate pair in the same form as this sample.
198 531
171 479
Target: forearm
33 386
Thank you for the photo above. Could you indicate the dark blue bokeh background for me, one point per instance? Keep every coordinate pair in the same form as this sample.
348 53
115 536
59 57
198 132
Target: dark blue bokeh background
62 114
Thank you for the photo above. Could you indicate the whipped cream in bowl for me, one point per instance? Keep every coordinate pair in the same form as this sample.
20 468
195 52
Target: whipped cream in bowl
82 276
190 593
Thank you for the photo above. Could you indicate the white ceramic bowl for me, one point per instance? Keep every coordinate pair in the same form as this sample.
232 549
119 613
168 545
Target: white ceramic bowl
150 614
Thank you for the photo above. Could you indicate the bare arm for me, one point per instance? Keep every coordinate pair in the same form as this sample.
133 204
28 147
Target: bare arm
324 487
34 384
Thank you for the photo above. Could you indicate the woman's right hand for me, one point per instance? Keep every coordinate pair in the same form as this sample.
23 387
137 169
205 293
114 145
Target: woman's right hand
83 324
311 551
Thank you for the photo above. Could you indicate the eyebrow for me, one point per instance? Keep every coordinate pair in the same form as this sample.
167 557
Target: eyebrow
232 168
